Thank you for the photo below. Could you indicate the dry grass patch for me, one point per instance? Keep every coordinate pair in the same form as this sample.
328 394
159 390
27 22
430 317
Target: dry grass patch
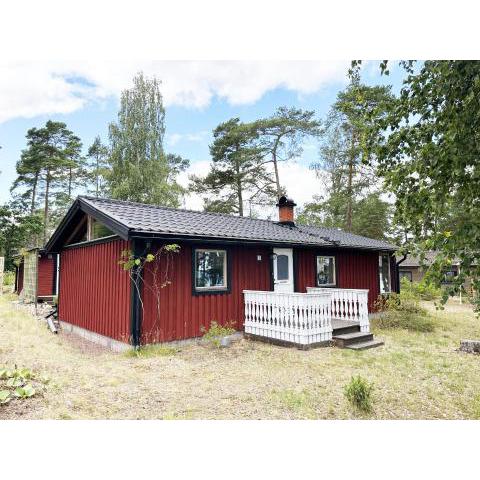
416 375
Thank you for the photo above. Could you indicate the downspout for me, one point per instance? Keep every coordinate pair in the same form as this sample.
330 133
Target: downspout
398 271
136 293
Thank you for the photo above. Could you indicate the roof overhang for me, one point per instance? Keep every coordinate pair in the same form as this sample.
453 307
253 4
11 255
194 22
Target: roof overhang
57 240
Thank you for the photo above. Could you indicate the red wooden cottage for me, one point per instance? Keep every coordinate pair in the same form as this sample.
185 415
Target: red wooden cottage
36 275
275 279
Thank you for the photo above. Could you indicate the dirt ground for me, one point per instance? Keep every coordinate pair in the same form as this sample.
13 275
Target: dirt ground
415 376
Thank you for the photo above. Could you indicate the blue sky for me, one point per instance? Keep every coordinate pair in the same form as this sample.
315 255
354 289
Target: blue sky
198 96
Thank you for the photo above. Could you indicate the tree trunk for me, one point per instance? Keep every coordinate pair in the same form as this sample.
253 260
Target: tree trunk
348 220
98 178
69 182
239 191
46 212
275 167
34 193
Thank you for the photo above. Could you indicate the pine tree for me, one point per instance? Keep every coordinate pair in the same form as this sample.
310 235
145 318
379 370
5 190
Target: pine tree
237 173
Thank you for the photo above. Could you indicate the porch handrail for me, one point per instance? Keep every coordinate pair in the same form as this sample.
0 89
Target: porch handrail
349 304
292 317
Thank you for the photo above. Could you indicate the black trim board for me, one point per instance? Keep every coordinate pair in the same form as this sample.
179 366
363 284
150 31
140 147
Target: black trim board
54 244
136 292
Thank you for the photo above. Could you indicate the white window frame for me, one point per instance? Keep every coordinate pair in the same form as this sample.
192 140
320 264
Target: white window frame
334 284
225 270
380 273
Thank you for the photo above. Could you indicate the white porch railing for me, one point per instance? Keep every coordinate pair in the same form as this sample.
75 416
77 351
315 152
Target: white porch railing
292 317
347 304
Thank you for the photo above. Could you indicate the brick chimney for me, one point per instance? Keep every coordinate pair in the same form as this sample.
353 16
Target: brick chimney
286 214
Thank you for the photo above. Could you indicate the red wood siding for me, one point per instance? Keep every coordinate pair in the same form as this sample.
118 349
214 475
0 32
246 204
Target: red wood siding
355 269
95 290
46 272
182 315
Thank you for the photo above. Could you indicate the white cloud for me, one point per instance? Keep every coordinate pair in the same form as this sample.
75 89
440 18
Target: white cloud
37 88
301 183
173 139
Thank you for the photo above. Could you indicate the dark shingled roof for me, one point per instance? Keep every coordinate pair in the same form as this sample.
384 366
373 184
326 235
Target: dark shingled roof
140 218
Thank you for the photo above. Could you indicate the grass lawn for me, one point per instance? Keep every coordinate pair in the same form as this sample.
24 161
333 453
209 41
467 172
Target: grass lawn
415 376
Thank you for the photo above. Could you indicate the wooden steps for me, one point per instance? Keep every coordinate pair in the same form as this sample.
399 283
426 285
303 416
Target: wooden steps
350 336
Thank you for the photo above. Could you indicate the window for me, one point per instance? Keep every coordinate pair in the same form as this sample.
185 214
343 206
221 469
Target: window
326 275
282 267
449 276
98 230
384 272
405 274
210 269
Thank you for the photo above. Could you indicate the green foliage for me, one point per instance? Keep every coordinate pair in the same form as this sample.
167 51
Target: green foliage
25 392
4 396
9 278
359 393
149 351
427 153
50 166
423 290
138 168
280 136
18 384
352 201
97 155
17 229
237 173
128 261
402 311
215 332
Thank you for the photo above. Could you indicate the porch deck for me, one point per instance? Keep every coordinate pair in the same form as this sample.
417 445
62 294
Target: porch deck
305 319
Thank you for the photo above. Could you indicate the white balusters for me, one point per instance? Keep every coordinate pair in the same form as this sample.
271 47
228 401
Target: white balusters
347 304
293 317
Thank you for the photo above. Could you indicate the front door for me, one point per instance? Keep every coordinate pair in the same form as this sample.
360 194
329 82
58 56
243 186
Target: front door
283 270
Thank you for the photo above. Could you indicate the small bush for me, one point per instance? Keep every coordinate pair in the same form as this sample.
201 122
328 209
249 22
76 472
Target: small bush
149 351
8 278
423 290
402 311
359 393
216 332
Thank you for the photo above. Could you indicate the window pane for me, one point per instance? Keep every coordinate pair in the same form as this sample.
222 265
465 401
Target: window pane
210 268
99 230
384 269
325 270
282 267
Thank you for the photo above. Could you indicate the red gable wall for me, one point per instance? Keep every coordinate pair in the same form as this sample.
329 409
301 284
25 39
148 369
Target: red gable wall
95 290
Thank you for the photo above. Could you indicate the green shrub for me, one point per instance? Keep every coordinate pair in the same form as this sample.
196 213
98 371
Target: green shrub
8 278
402 311
423 290
359 393
216 332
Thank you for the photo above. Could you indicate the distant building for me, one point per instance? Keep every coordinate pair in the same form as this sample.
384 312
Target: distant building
413 271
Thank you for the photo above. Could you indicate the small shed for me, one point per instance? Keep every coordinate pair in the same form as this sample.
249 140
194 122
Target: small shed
36 275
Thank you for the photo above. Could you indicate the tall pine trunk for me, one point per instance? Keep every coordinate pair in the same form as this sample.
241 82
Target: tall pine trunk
348 219
97 173
239 190
46 208
34 193
275 167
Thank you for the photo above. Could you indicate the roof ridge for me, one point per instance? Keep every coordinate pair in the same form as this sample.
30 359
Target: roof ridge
164 207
